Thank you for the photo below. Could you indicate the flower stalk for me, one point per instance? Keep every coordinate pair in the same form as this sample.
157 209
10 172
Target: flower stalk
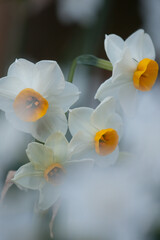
88 60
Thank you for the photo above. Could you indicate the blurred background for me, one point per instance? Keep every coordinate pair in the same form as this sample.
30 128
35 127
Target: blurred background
58 30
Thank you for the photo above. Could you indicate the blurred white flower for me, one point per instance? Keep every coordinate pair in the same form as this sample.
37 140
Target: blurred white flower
113 204
83 12
48 168
134 68
96 133
35 97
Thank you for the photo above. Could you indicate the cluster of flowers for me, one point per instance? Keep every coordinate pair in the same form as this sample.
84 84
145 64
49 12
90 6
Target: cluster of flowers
35 98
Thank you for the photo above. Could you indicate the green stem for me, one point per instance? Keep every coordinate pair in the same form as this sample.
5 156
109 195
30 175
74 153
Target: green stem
91 61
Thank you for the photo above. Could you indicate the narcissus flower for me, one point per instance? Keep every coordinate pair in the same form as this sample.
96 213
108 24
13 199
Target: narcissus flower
48 168
134 68
96 133
35 97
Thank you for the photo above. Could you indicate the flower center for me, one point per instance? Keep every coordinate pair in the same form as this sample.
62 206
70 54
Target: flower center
106 141
29 105
54 173
145 75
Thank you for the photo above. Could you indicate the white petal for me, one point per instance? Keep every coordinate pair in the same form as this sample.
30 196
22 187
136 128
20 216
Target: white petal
83 149
148 50
105 161
59 144
19 124
113 46
9 88
134 42
28 177
49 194
66 98
80 145
49 79
122 74
140 45
108 120
128 98
23 70
40 155
99 115
54 120
115 121
80 120
110 88
125 68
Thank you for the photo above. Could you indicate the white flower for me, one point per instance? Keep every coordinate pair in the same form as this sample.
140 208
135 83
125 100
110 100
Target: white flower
49 166
96 133
35 97
134 68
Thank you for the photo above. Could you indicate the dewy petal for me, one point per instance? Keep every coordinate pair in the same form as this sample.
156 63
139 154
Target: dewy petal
104 109
23 70
49 79
66 98
27 177
113 46
80 120
55 120
59 144
80 145
127 97
40 155
140 45
49 194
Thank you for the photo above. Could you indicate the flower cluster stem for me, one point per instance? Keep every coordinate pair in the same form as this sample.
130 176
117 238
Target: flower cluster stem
91 61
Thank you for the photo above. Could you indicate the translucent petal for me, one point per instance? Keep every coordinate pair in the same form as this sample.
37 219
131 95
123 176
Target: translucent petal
55 120
103 110
140 45
128 98
80 145
40 155
113 46
59 144
23 70
80 120
66 98
49 194
28 177
49 79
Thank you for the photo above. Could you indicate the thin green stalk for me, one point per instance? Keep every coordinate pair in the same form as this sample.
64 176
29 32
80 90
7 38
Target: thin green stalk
88 60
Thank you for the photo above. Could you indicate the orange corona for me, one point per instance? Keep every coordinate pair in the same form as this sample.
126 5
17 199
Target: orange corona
106 141
54 173
145 75
29 105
